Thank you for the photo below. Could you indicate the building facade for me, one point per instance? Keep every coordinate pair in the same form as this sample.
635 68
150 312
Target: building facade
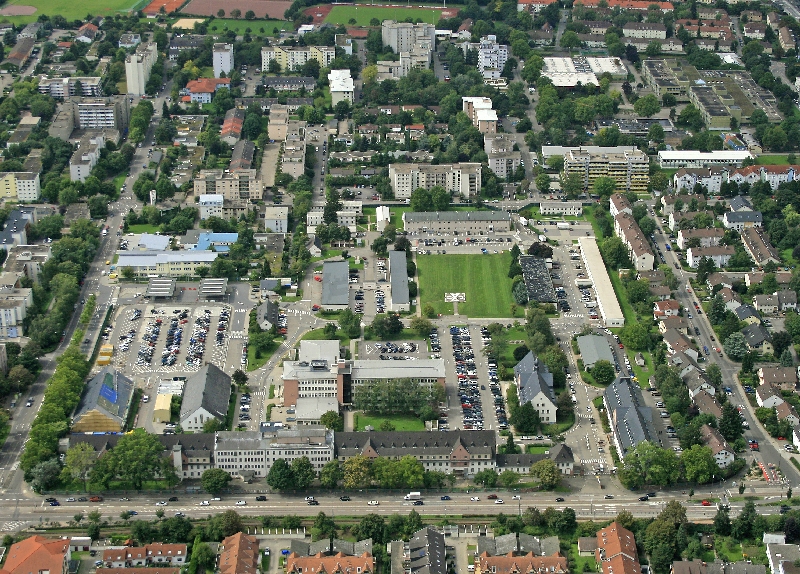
460 178
138 66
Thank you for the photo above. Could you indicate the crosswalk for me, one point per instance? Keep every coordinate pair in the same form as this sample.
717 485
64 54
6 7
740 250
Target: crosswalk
13 526
237 335
585 461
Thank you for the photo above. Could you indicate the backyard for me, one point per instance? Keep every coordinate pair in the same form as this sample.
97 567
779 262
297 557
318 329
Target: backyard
399 422
482 278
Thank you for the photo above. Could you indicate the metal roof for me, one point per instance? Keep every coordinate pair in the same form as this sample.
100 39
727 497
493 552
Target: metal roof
335 286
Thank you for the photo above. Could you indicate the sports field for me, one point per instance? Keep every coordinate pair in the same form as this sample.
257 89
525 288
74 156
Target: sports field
363 14
482 278
72 10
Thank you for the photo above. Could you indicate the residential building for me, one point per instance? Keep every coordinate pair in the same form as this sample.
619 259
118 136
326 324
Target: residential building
138 66
165 263
630 169
463 453
569 208
690 158
335 291
707 404
755 30
291 58
619 203
222 59
771 304
276 219
706 237
202 90
773 174
20 54
231 131
339 562
668 308
719 254
27 260
403 36
64 87
492 56
631 421
740 203
129 40
463 179
513 563
341 86
479 110
723 453
639 250
739 220
758 338
289 83
87 33
758 247
205 398
645 30
607 302
783 377
20 186
424 553
473 223
730 297
534 6
616 550
534 383
155 554
786 412
239 554
786 38
99 113
640 5
709 177
179 43
30 31
768 396
748 314
242 184
85 157
37 554
105 403
503 160
210 205
678 342
594 348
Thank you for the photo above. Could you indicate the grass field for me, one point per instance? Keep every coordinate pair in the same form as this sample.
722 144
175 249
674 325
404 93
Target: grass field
400 422
263 27
72 10
363 14
483 279
779 159
142 228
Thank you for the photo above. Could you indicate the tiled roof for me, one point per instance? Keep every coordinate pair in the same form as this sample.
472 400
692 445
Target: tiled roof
36 554
239 555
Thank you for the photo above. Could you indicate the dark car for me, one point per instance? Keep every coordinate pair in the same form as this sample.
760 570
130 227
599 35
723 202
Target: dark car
417 503
83 499
55 503
608 496
344 498
173 499
50 499
492 497
560 499
261 498
644 498
651 494
313 502
445 497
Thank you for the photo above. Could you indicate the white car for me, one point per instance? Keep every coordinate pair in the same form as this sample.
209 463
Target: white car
373 503
474 499
161 503
205 503
309 498
241 503
516 497
499 501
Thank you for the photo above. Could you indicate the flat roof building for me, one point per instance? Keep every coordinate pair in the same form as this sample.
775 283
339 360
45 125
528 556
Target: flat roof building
335 286
398 281
465 222
463 179
692 158
537 279
607 301
594 348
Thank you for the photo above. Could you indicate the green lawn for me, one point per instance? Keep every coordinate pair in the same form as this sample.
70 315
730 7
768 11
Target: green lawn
400 422
118 181
72 10
582 563
780 159
256 26
319 335
532 449
143 228
254 362
363 14
483 279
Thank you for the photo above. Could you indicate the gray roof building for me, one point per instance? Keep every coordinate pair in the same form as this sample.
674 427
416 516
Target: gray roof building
205 395
327 547
523 543
267 315
414 443
290 83
742 217
560 454
398 279
740 203
594 348
335 286
535 385
756 334
105 403
631 421
424 553
537 279
456 216
743 312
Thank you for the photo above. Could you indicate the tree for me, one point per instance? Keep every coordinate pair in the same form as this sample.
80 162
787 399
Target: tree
603 372
214 480
570 40
333 421
45 475
525 419
647 106
699 465
281 476
487 478
331 474
79 461
647 463
356 472
304 473
239 378
136 458
722 521
730 423
604 186
735 346
547 472
421 325
249 15
236 13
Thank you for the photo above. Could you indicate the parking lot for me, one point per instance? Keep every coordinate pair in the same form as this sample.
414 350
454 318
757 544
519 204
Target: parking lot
393 351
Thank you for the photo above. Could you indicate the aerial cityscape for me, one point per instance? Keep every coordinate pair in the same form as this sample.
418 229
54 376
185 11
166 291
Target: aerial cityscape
488 287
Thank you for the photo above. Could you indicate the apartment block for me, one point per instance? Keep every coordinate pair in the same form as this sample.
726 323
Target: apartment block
241 184
460 178
27 260
138 66
404 36
99 113
645 30
222 58
628 231
85 157
480 112
630 169
341 86
166 263
418 57
719 254
292 58
64 87
758 246
20 186
716 111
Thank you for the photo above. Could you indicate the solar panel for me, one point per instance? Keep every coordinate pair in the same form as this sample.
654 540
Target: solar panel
109 394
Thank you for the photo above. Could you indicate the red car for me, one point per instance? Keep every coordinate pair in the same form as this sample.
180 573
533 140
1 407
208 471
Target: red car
315 308
706 503
492 497
621 346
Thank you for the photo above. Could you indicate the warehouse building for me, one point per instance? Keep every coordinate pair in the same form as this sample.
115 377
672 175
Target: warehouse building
335 286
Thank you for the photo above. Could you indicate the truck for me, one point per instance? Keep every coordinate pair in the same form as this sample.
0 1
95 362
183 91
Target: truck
562 225
413 496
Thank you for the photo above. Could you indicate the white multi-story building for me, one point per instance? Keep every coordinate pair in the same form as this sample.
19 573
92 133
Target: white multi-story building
101 113
21 186
341 86
645 30
85 157
211 205
138 66
403 36
235 185
63 87
461 178
491 55
276 218
166 263
292 58
222 55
